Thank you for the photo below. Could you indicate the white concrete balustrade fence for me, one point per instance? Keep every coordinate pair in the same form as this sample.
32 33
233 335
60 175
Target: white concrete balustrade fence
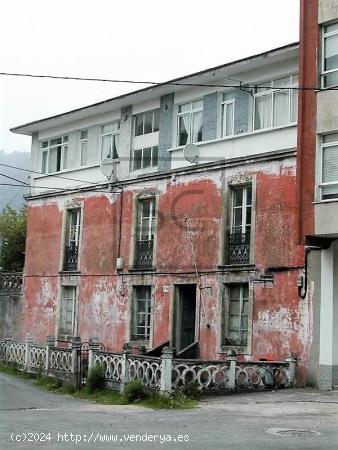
163 374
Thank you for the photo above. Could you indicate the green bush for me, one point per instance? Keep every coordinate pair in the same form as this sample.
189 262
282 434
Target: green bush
135 391
96 379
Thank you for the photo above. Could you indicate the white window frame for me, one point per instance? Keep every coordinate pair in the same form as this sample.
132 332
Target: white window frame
321 184
224 116
64 299
190 113
143 114
152 164
135 336
113 134
272 92
151 217
72 236
74 230
45 150
82 142
226 315
243 207
324 72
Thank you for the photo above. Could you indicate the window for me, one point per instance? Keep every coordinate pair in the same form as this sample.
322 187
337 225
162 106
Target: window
145 157
274 104
329 167
67 323
330 55
84 147
72 241
145 233
238 239
54 155
110 140
141 313
237 315
147 122
228 114
189 122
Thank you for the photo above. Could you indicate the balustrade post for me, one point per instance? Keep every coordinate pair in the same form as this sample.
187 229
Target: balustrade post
28 343
76 349
166 370
292 361
125 369
50 342
93 348
232 372
7 348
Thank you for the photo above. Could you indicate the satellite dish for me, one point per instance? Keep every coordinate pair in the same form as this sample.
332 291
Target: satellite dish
107 167
191 153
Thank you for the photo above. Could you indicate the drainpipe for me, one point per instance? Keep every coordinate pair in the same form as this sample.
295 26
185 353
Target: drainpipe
303 279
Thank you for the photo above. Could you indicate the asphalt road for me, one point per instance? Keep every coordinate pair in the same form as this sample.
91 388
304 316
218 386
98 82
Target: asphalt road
238 421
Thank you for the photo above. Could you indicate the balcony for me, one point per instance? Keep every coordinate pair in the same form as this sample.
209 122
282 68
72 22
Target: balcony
11 283
144 254
238 248
71 258
242 145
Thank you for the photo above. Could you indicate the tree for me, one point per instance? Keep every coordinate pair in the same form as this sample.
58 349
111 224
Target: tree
13 237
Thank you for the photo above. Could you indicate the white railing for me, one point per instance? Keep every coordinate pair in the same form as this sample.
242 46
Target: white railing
145 369
163 374
60 360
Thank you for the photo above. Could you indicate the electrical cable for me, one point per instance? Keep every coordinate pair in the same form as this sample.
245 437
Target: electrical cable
49 175
168 83
14 179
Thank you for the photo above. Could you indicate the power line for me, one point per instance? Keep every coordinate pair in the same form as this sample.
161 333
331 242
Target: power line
50 175
24 184
166 83
14 179
56 189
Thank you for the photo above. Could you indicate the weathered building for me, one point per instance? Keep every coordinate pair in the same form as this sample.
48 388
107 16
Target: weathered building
196 247
317 180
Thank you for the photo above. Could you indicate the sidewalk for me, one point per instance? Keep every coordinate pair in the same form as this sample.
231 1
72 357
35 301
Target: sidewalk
275 403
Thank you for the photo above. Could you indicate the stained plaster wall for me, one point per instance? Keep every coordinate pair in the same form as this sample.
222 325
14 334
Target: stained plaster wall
191 223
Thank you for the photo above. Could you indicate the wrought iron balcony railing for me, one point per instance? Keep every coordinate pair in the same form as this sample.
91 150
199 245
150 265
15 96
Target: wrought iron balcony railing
144 254
238 248
11 283
71 258
236 342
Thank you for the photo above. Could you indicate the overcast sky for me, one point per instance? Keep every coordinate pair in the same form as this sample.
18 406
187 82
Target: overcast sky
129 39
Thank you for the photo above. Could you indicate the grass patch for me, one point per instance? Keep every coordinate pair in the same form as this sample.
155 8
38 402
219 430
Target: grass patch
11 369
173 401
103 397
51 384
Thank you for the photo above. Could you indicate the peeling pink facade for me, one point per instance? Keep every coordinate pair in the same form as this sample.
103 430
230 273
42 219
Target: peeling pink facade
280 322
196 251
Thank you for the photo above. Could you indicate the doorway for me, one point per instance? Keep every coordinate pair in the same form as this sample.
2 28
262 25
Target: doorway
185 316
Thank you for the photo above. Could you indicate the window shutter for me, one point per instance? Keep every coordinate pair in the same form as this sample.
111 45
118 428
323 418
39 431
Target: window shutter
331 46
330 164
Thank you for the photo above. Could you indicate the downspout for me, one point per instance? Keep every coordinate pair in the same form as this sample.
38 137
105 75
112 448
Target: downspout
303 281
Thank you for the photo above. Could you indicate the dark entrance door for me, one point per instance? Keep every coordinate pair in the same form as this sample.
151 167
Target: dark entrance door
186 316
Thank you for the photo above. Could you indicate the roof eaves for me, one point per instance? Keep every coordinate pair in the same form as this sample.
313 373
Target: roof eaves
148 88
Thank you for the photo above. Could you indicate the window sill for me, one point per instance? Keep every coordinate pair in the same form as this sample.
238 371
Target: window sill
69 272
142 269
239 350
236 136
236 267
329 200
73 169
